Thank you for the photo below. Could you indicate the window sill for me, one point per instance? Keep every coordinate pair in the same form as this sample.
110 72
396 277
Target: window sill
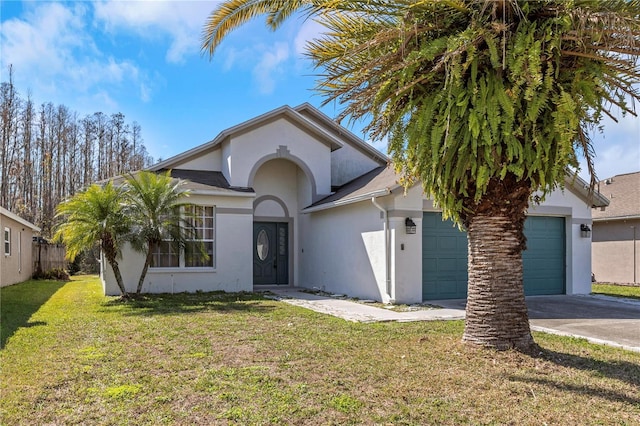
180 270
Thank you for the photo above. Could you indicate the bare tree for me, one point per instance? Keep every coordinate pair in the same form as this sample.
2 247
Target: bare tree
48 155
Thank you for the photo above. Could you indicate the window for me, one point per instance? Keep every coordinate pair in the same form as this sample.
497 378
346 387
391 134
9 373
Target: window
164 255
7 241
201 219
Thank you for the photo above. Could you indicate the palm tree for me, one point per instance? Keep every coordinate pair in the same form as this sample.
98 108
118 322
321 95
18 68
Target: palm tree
155 204
95 216
486 102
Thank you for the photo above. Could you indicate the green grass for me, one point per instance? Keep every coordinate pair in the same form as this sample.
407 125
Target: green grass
19 302
214 358
631 292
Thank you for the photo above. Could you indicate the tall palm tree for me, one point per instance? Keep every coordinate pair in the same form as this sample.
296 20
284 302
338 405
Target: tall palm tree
95 217
154 203
486 102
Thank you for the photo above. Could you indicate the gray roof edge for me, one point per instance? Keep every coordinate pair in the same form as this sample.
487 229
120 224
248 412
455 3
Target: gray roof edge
343 202
581 188
284 110
231 193
616 218
18 219
355 140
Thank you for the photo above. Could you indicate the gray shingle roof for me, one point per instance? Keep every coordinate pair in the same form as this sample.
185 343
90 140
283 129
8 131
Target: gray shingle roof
378 179
623 192
205 180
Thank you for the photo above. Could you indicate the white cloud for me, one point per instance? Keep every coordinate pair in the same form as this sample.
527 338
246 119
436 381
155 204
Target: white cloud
270 64
310 30
380 145
55 56
181 21
618 149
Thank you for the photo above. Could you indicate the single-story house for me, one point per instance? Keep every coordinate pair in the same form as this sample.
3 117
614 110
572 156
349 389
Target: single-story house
290 198
16 263
616 231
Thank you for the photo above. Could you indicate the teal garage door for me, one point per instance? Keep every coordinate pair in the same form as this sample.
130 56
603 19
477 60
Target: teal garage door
544 258
444 257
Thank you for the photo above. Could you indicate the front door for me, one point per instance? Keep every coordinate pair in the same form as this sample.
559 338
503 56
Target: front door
270 253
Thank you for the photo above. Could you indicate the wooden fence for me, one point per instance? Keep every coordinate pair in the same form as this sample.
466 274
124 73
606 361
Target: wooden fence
48 257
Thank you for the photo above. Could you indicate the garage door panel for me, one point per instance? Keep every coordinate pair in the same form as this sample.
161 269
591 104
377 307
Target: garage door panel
445 257
447 243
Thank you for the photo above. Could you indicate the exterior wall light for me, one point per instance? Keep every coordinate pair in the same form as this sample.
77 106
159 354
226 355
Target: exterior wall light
411 225
585 231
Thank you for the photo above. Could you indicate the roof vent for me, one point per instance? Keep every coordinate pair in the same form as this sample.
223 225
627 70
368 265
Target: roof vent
608 181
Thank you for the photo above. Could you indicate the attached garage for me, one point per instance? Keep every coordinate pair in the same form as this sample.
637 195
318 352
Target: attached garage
444 257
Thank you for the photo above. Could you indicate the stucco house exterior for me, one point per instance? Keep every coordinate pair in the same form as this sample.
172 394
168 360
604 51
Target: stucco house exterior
290 198
16 262
616 231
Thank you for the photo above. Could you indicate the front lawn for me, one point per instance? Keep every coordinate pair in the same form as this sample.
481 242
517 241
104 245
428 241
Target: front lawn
211 358
631 292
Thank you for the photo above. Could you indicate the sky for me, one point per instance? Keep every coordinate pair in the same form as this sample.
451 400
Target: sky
143 58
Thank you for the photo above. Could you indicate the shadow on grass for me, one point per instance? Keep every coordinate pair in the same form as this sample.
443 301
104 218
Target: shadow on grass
20 301
185 303
618 295
622 371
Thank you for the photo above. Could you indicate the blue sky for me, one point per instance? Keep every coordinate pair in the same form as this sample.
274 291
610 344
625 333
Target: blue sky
142 58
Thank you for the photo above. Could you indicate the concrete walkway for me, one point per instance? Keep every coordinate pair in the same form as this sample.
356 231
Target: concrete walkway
360 312
598 319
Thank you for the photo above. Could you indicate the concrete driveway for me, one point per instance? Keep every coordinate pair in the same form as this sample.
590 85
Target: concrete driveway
598 319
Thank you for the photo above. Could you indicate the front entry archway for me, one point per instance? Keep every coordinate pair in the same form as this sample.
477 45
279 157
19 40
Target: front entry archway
270 253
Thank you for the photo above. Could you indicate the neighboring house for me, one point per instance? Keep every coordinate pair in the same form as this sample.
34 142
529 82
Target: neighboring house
16 263
291 198
616 231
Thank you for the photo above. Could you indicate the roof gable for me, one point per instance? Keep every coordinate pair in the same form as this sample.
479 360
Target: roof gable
344 134
284 112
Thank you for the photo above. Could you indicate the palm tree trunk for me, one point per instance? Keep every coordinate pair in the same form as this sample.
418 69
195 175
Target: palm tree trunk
116 272
110 253
145 268
496 314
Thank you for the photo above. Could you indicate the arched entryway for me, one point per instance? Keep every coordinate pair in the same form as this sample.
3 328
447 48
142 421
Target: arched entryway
282 190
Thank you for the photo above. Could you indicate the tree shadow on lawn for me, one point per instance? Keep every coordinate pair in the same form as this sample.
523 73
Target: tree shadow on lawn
185 303
623 371
19 302
616 295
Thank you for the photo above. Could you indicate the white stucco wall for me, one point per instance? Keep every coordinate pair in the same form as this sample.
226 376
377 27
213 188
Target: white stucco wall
346 252
211 161
407 248
348 163
233 243
279 139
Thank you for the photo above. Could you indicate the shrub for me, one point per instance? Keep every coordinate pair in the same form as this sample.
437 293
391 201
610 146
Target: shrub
57 274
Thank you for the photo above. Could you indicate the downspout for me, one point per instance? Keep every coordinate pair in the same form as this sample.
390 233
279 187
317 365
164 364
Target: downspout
387 248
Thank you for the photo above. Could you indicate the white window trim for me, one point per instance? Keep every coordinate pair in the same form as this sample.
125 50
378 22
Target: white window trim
212 240
19 252
7 241
181 259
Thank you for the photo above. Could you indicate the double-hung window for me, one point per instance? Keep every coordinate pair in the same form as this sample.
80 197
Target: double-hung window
7 241
201 221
